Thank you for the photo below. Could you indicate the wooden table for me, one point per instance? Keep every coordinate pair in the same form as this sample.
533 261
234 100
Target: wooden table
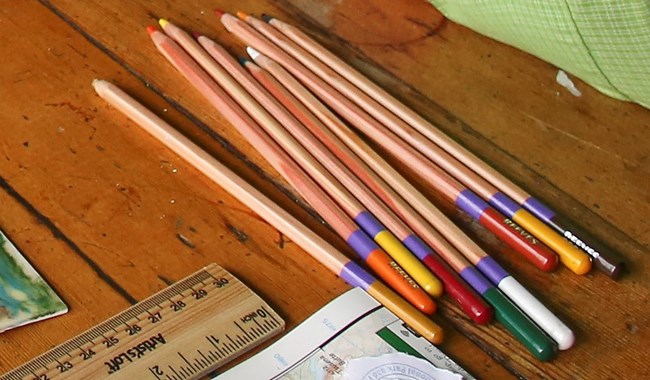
109 216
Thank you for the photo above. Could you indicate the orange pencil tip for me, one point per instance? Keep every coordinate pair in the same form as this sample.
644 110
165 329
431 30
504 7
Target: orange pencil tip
242 15
219 12
151 29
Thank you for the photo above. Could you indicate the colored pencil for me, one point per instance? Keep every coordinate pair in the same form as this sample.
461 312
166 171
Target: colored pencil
467 201
515 321
469 301
280 219
376 258
549 322
572 257
604 258
335 183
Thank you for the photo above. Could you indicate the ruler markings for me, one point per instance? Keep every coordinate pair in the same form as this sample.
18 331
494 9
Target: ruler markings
198 364
118 338
246 333
205 360
231 340
177 376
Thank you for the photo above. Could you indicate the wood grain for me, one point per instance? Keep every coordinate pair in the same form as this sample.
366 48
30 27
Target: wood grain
109 216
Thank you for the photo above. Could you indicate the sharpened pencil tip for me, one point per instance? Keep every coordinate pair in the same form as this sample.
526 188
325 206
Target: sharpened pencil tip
252 52
243 60
266 17
100 85
163 22
241 15
219 12
196 35
151 29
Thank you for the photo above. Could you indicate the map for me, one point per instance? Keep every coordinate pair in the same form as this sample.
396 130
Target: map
353 337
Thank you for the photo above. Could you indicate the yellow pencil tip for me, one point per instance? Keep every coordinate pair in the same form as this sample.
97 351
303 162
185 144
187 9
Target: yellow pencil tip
163 22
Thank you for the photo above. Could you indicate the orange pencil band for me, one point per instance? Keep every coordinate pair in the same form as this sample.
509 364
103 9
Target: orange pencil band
364 246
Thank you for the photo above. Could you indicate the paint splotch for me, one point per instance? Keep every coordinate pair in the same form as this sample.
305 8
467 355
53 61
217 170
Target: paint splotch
24 296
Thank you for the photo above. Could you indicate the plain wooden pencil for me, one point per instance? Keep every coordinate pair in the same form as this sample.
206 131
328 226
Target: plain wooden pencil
604 258
488 266
376 258
572 257
313 244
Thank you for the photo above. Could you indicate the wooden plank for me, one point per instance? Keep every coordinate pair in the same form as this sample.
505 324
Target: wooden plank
73 159
129 209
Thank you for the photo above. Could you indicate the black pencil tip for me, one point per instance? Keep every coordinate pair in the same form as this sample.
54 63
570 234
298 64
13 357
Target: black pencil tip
266 17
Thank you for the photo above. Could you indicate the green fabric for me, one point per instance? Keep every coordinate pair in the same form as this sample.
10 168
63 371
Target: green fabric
605 43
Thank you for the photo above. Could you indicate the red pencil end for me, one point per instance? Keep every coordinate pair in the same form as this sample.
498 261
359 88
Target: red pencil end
242 15
151 29
482 316
219 12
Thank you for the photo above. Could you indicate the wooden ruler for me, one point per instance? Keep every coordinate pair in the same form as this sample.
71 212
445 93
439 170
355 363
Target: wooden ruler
182 332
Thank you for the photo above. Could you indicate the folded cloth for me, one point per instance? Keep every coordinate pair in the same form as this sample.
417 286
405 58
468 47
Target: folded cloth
606 43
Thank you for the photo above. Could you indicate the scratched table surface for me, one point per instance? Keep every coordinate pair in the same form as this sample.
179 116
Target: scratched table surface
109 216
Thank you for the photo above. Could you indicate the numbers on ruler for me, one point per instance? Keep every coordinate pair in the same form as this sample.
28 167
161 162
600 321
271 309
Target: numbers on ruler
220 282
64 367
87 354
251 316
156 371
198 294
155 317
177 305
110 342
133 329
137 325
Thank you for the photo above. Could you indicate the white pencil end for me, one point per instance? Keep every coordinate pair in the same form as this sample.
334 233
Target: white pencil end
99 84
252 52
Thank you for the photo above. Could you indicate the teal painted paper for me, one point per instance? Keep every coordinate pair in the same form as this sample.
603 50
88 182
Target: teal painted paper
24 296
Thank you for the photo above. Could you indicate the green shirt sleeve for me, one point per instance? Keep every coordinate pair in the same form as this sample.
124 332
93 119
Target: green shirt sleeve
605 43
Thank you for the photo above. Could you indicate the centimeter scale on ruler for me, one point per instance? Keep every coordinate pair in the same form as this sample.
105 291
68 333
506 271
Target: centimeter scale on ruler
182 332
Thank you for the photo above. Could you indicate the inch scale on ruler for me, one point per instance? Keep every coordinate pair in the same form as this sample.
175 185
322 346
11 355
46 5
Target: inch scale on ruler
182 332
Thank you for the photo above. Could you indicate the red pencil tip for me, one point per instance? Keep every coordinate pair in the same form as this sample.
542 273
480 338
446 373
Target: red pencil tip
151 29
219 12
196 35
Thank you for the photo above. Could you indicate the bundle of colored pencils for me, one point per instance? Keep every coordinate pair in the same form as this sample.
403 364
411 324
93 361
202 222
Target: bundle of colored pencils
297 103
